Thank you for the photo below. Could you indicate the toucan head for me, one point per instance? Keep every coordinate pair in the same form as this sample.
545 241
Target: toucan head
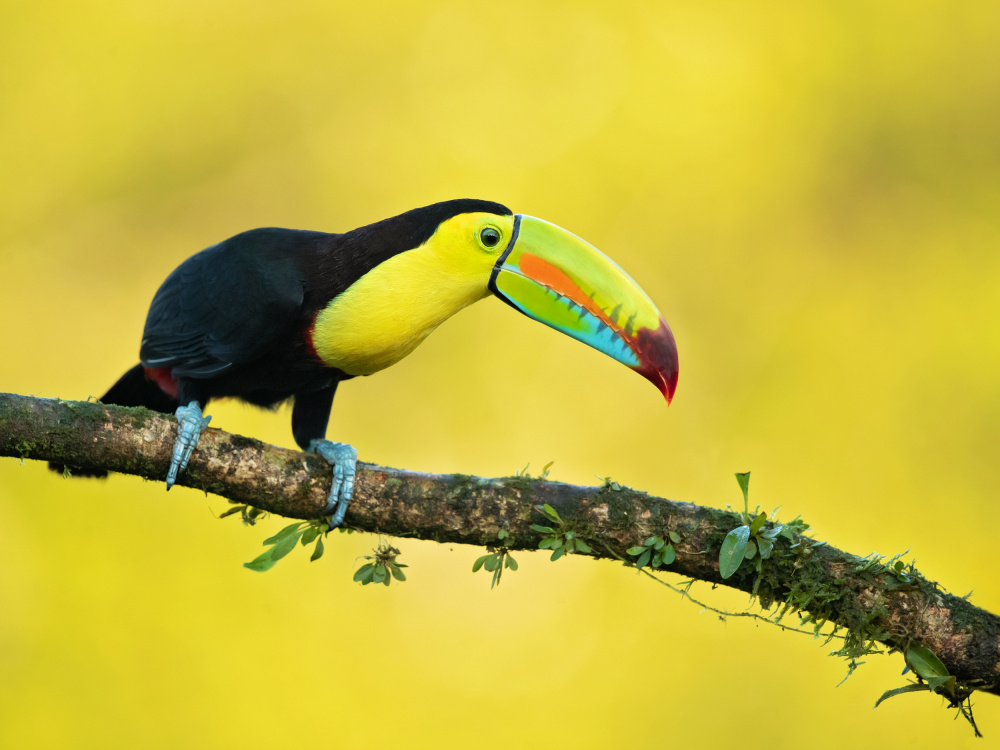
566 283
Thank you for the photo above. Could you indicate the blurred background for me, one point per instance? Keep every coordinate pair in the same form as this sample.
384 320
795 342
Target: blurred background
809 192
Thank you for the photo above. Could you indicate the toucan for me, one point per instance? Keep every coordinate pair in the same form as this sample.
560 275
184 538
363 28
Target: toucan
276 314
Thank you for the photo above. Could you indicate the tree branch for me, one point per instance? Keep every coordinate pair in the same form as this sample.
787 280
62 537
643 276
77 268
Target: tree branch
860 594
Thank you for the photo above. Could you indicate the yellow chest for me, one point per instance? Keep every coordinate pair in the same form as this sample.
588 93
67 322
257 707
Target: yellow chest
386 313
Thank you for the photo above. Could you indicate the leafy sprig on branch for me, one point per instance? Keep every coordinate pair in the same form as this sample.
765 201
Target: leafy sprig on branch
498 558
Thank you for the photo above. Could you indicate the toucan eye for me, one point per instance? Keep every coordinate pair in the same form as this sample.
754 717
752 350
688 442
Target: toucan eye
490 237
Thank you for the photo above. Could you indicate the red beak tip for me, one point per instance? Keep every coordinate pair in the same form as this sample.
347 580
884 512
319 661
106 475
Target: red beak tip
666 384
669 387
657 355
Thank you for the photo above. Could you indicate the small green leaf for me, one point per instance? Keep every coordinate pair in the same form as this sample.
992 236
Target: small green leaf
635 550
943 685
899 565
285 545
766 547
479 563
899 691
502 534
669 555
549 542
674 537
659 544
582 546
379 573
491 562
570 535
309 535
282 534
542 529
363 571
651 541
551 513
758 522
744 481
643 559
733 549
545 469
397 573
751 550
657 559
261 563
511 563
318 551
231 511
925 663
559 552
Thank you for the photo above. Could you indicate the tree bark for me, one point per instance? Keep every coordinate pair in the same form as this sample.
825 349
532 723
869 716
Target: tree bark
868 599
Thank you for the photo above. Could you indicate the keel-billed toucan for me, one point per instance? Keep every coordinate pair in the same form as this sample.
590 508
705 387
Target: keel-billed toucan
277 314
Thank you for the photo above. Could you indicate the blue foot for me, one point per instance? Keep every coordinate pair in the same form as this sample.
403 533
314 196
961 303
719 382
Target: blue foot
190 424
343 458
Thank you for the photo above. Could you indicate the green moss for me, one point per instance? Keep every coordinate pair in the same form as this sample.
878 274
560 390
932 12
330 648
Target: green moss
393 482
216 488
7 413
521 483
967 620
93 415
620 512
820 597
623 502
303 490
461 491
24 448
140 416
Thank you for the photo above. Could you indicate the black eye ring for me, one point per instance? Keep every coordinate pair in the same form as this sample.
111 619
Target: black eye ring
490 237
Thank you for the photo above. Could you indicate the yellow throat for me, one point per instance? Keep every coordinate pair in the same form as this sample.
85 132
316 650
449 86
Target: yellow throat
386 313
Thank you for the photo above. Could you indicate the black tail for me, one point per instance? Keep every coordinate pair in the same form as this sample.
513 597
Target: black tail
132 389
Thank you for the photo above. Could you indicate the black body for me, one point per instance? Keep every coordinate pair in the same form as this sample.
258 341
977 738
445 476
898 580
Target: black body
234 319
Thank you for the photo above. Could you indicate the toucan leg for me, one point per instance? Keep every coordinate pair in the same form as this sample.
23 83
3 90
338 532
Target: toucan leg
343 458
190 424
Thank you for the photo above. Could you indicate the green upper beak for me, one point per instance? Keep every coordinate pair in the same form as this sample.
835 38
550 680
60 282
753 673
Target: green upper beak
564 282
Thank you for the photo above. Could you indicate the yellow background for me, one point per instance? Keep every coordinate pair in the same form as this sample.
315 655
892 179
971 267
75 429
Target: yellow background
810 193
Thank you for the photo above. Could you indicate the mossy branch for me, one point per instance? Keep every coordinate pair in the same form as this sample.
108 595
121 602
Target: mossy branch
859 594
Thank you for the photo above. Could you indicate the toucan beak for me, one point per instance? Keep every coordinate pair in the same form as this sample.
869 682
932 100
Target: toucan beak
568 284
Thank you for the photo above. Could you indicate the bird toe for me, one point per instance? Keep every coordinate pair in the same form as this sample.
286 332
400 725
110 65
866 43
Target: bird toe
190 424
343 458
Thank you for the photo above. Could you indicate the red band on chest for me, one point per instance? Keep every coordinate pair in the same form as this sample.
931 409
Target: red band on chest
309 339
162 377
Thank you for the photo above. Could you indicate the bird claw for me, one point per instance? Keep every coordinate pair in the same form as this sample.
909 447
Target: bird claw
343 458
190 424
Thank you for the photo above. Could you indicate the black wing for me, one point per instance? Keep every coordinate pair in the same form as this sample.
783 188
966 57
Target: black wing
229 304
